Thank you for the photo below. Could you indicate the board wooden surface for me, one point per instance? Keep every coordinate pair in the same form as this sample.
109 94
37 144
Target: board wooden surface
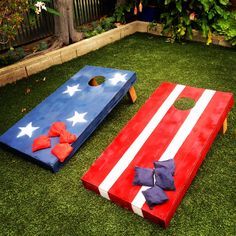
159 131
79 103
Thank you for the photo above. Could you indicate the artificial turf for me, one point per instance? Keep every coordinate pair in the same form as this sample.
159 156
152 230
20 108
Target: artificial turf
35 201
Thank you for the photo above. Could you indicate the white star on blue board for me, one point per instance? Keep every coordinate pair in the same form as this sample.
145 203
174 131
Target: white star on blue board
71 90
27 130
118 78
77 118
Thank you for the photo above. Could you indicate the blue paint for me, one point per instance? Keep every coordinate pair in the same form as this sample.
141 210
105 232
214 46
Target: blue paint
97 101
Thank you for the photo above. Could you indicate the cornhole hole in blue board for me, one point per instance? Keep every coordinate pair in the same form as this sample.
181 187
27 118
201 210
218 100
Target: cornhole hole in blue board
79 105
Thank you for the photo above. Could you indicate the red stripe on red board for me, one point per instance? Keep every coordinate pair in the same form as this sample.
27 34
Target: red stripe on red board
191 154
108 159
188 158
151 150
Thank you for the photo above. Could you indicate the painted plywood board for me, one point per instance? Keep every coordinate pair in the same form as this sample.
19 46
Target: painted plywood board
80 106
159 131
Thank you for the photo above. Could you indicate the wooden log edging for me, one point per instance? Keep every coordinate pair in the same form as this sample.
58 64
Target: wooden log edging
39 63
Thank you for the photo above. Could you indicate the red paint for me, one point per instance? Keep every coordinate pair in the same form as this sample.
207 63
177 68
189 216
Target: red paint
188 158
152 149
41 142
118 147
62 151
67 137
56 129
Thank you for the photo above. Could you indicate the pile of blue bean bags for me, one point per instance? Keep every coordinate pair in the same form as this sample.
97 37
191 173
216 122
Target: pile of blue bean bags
158 179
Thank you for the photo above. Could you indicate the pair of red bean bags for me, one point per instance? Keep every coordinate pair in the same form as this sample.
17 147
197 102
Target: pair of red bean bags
60 150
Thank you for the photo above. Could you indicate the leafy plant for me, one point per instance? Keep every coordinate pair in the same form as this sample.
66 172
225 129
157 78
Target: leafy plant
12 14
11 56
98 27
20 53
180 17
42 46
120 11
107 23
227 27
39 6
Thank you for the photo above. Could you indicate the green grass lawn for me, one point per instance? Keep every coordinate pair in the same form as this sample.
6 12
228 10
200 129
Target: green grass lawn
36 202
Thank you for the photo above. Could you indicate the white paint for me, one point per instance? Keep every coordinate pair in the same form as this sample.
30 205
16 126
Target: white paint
27 130
71 90
137 200
177 141
131 152
77 118
118 78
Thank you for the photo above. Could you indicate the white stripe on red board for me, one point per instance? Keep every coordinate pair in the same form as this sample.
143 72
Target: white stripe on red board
131 152
177 142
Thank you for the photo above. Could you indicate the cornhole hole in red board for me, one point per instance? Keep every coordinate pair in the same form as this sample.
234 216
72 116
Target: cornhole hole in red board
159 131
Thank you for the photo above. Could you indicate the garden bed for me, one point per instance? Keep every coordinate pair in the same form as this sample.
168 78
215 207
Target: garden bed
36 64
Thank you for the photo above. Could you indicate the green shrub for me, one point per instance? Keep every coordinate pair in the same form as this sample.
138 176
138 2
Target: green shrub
13 12
11 56
42 46
120 11
11 15
98 27
181 16
227 27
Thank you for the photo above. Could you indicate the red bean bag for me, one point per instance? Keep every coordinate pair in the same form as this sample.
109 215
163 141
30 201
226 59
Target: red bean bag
41 142
62 151
67 137
56 129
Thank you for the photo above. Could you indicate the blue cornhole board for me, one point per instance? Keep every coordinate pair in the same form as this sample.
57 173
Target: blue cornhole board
80 106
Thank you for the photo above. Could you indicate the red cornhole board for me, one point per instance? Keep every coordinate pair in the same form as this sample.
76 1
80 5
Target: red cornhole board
159 131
